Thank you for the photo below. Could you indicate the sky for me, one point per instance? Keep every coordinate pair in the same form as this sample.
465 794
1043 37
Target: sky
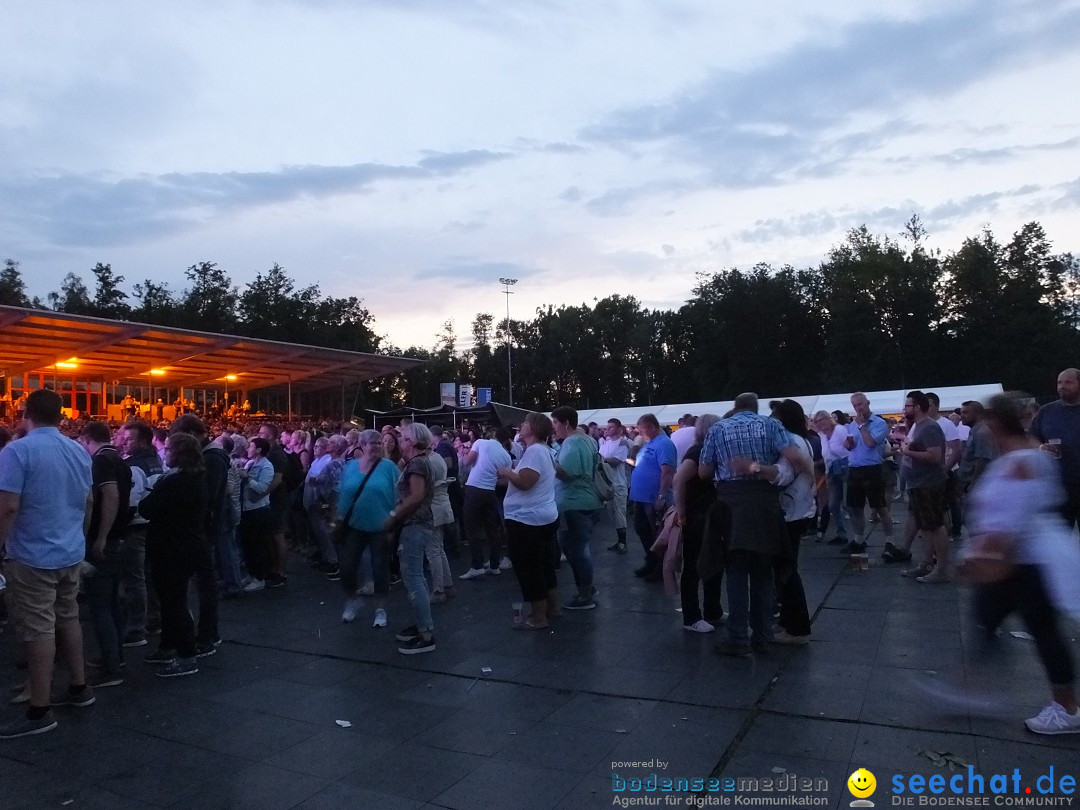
412 152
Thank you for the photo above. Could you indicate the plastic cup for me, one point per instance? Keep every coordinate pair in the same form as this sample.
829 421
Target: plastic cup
519 612
1055 447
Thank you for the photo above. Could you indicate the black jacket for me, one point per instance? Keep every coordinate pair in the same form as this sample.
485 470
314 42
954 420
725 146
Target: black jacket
176 508
217 478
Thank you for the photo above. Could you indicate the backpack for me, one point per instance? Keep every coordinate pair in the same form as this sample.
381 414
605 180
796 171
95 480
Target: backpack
602 481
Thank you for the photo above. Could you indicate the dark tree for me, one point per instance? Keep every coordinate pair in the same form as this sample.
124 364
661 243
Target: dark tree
12 286
109 300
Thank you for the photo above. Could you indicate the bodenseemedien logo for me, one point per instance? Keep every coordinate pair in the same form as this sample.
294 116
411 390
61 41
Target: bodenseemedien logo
862 785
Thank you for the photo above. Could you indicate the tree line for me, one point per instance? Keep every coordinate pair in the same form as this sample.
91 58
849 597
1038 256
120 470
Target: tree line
876 313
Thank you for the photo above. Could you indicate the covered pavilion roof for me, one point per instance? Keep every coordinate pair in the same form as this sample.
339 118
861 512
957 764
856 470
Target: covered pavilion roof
38 340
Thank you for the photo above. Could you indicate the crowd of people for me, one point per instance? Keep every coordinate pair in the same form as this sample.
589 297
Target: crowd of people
137 513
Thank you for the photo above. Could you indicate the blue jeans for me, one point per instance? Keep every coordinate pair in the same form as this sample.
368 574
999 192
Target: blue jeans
574 539
133 579
750 596
837 478
414 539
103 601
320 533
228 559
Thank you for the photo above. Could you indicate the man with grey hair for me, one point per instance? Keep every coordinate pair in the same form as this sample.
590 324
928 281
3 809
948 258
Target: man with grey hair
741 454
868 436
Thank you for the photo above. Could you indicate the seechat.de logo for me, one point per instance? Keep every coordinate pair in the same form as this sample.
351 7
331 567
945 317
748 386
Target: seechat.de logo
862 785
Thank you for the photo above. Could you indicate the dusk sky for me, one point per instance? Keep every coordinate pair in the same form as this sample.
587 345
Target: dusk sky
411 152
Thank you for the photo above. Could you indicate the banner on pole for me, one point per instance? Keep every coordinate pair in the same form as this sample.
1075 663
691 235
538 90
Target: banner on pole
465 396
446 394
483 396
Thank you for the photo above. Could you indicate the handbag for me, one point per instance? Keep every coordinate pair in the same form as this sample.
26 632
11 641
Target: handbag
343 525
602 480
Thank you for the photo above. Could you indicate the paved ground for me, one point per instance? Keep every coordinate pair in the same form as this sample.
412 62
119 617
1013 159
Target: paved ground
624 683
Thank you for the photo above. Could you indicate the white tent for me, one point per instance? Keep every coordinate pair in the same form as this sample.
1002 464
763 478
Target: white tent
880 402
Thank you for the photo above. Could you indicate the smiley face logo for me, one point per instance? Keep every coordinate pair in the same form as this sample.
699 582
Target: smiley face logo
862 783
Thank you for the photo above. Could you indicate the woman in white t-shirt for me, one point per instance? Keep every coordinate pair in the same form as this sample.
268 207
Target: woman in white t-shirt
797 499
483 524
1014 511
532 519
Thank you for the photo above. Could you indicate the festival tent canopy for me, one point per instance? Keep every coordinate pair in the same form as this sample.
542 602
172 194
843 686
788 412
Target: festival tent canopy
880 402
127 353
493 413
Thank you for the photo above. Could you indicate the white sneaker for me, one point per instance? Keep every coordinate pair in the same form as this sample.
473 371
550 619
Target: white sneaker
1054 720
939 576
472 573
254 585
505 564
700 626
380 618
352 607
367 589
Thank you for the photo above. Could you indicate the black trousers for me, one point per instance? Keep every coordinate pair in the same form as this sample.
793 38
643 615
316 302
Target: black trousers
794 616
172 569
483 525
1025 593
533 551
207 589
257 533
693 535
645 527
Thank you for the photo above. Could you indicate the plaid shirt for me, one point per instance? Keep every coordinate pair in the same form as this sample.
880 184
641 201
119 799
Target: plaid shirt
743 435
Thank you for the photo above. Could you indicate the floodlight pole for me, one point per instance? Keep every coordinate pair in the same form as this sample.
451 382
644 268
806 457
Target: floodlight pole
507 284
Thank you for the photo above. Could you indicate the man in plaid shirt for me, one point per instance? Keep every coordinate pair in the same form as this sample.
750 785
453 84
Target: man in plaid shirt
741 454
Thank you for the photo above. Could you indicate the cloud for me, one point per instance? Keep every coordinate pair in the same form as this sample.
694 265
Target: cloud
470 271
885 219
101 209
456 226
449 162
788 115
619 201
1001 154
1070 196
563 149
571 194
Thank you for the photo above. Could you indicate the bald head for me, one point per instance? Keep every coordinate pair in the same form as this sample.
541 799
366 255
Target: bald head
1068 386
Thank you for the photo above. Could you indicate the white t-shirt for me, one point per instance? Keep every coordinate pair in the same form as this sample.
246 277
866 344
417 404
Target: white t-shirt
832 447
490 456
682 438
616 448
951 435
948 428
797 495
962 432
535 506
